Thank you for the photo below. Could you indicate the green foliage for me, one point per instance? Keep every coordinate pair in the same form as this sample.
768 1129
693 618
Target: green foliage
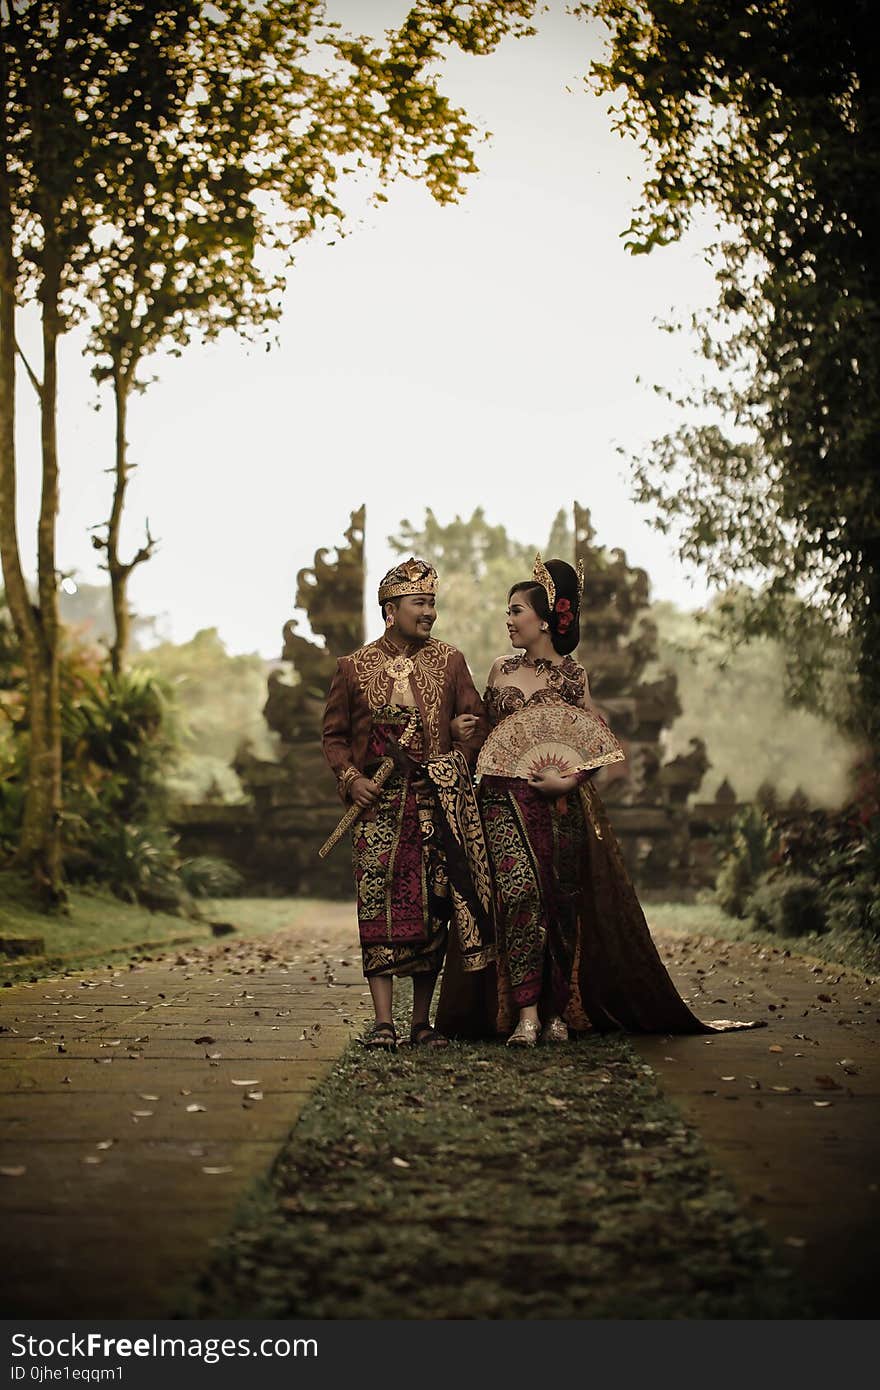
118 739
787 904
842 851
853 891
136 862
735 697
203 876
121 739
220 700
797 875
766 116
751 841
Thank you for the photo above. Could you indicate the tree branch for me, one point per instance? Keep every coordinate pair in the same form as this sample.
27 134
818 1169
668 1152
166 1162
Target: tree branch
34 379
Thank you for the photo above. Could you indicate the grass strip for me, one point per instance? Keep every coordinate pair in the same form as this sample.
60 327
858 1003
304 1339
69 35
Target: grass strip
99 929
480 1182
855 949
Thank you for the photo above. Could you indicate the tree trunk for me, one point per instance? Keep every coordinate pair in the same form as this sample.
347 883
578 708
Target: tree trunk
40 845
118 571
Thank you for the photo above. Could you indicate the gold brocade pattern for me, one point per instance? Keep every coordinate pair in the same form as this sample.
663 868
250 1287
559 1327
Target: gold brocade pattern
400 668
453 786
430 677
376 665
405 958
369 668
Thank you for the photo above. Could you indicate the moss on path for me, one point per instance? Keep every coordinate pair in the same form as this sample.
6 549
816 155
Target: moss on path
479 1182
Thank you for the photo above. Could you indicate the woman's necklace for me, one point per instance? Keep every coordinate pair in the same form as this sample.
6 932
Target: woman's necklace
540 663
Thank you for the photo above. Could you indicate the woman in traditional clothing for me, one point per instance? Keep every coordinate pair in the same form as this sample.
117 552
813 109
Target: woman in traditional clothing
573 948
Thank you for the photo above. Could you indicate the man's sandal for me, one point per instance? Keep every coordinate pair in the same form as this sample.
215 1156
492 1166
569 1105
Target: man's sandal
381 1035
423 1035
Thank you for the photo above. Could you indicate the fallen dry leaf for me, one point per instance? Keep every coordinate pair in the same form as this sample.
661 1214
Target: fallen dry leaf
559 1104
400 1162
143 1095
255 1095
255 1082
142 1114
14 1171
780 1088
104 1144
822 1104
217 1170
192 1109
774 1047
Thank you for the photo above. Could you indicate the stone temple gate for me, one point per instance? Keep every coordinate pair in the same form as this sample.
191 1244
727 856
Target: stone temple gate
274 840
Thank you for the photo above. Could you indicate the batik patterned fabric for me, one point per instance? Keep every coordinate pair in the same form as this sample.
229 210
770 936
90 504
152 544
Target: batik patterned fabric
400 871
466 856
535 849
570 932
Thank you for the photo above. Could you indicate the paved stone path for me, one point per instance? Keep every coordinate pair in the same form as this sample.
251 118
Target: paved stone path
791 1112
139 1105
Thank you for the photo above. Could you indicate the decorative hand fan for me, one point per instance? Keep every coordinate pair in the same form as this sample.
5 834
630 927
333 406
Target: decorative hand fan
548 735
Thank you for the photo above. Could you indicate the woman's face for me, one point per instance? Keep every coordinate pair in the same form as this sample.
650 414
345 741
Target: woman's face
523 623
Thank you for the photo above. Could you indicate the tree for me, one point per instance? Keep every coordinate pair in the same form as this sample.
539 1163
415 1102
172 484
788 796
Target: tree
767 116
73 80
735 701
109 110
202 218
220 701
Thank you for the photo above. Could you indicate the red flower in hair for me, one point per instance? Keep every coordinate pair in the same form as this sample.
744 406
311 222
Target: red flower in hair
564 615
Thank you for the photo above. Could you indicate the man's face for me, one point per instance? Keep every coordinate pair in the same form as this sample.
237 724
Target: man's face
415 617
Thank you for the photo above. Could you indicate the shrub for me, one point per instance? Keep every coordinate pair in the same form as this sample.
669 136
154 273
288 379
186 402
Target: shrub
852 886
751 840
138 863
120 741
788 904
206 877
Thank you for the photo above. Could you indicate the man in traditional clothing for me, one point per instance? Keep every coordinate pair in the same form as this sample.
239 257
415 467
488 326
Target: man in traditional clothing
419 854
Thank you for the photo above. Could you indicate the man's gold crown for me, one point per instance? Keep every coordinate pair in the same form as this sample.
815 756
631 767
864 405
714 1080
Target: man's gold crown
411 577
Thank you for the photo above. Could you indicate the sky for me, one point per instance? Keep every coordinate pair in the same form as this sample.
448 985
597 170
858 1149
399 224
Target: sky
496 353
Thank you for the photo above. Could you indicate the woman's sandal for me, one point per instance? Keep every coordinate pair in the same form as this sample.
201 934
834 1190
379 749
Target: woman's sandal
381 1035
525 1034
423 1035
